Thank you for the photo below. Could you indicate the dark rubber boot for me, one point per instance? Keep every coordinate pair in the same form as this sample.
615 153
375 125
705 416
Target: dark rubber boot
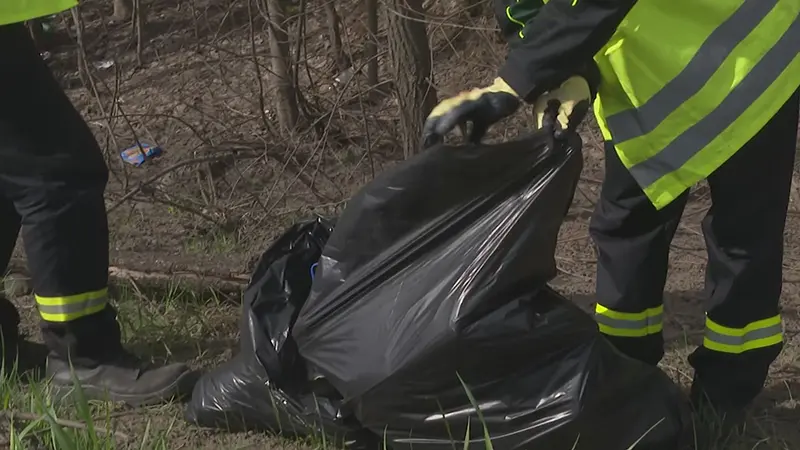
22 358
9 333
125 379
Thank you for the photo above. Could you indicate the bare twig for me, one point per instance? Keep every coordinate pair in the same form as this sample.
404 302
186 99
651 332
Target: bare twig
137 28
170 169
577 260
262 108
574 238
179 206
690 230
591 180
573 274
85 68
319 147
202 138
371 77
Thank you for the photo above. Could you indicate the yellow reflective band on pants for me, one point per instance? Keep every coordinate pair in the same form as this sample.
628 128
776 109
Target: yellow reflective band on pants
759 334
71 307
622 324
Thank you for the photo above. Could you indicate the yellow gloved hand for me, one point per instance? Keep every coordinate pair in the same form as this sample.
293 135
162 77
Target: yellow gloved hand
482 106
568 103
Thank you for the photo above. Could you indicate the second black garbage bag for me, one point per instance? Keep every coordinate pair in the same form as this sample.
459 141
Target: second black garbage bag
265 387
432 287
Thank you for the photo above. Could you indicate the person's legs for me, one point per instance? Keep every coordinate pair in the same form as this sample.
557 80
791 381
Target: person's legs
633 240
9 317
53 171
744 235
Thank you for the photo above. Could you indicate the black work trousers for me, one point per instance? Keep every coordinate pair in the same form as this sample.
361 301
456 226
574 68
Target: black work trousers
744 237
52 178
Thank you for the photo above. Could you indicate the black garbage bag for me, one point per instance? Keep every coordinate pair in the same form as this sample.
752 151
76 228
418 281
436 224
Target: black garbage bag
436 276
265 386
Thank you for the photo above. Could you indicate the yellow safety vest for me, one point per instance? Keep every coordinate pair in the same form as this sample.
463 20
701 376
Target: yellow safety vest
687 83
13 11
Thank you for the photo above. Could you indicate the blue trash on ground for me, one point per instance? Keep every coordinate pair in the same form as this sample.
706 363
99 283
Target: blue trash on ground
138 154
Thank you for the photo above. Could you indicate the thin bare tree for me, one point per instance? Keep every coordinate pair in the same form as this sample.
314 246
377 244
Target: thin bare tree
335 35
411 65
281 76
371 42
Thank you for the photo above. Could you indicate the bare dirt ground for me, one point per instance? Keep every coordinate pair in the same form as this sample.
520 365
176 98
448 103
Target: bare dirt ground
226 184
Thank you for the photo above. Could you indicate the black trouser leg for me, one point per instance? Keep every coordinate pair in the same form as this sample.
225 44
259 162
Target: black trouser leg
53 171
744 235
633 240
9 230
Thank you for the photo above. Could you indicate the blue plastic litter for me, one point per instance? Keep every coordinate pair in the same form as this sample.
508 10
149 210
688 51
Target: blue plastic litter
138 154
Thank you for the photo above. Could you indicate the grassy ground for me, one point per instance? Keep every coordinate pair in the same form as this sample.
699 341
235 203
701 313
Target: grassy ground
178 326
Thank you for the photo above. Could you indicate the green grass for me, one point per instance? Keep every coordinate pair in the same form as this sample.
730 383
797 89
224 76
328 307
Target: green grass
168 326
34 419
177 325
212 243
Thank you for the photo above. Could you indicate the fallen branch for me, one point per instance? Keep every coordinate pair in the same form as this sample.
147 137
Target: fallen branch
232 283
28 417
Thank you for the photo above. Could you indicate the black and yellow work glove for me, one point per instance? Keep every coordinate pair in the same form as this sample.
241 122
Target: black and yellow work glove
482 107
563 108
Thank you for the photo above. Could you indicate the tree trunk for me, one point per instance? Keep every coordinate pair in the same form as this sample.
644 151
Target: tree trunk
281 77
371 44
411 61
122 10
83 71
334 34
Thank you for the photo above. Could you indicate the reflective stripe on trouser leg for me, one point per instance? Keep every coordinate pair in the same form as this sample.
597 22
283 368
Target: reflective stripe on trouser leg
68 308
623 324
758 334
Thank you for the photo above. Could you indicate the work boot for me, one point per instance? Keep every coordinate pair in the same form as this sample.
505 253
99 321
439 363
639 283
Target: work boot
126 379
9 334
29 362
20 357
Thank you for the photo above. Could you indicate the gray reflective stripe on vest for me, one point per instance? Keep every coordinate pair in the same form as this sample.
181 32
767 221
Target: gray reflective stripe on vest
699 135
624 324
761 333
635 122
72 307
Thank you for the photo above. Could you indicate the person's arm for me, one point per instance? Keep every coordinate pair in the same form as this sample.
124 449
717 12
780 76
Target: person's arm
560 41
513 15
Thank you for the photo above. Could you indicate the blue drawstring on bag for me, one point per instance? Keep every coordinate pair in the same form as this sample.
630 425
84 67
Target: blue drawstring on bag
313 270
